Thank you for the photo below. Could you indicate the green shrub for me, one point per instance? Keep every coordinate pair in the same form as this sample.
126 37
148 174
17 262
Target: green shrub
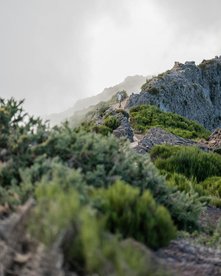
211 187
111 122
102 129
189 161
185 209
19 133
144 117
47 171
102 160
179 181
86 246
135 215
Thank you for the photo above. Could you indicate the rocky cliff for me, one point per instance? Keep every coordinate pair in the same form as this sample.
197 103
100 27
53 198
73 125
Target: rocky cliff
187 89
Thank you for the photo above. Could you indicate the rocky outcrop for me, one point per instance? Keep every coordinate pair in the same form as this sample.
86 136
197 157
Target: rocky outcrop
189 90
214 141
186 258
158 136
124 130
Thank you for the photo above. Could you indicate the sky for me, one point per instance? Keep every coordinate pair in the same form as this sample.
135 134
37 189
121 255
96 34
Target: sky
54 52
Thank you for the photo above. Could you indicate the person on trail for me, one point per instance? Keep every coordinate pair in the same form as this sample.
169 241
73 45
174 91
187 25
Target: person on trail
119 98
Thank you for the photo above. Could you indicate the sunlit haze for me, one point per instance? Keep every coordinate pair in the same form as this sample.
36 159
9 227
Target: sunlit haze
53 52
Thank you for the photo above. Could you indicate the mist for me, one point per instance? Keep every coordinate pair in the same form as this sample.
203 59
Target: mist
53 52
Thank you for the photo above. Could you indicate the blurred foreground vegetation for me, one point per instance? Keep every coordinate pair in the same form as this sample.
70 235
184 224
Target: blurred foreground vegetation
109 200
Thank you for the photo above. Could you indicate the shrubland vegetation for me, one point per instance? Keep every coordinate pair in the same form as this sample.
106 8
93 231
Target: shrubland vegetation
67 170
190 169
99 193
145 117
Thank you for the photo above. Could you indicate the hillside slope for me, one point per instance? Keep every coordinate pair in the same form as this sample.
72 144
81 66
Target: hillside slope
130 84
188 90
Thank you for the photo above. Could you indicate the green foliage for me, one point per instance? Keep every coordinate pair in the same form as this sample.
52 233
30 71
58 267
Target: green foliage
112 122
102 160
61 208
189 161
102 129
186 201
185 209
179 181
135 215
209 191
145 117
19 133
87 247
211 187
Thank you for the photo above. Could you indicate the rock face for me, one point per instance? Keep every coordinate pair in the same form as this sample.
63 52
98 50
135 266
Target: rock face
124 130
158 136
186 258
189 90
214 140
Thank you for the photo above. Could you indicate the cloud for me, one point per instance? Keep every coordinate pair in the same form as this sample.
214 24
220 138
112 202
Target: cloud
53 52
45 49
193 16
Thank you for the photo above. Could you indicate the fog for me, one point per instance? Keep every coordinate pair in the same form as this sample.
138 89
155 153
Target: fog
53 52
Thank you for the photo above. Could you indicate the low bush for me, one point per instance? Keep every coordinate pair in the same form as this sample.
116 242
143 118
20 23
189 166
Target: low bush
189 161
144 117
86 246
135 215
179 182
102 129
186 201
211 187
112 122
185 209
102 160
19 133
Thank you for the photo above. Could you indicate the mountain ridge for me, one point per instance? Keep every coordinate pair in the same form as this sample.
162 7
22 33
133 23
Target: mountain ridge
187 89
130 84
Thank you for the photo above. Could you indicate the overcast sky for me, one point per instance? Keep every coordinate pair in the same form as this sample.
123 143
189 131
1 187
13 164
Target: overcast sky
53 52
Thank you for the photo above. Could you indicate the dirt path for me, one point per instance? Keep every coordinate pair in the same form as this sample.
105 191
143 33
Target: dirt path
123 104
186 257
22 256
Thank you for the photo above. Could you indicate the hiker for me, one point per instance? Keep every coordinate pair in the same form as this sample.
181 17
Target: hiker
119 98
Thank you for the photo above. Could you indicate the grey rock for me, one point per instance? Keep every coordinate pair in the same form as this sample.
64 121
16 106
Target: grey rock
187 258
158 136
189 90
124 130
